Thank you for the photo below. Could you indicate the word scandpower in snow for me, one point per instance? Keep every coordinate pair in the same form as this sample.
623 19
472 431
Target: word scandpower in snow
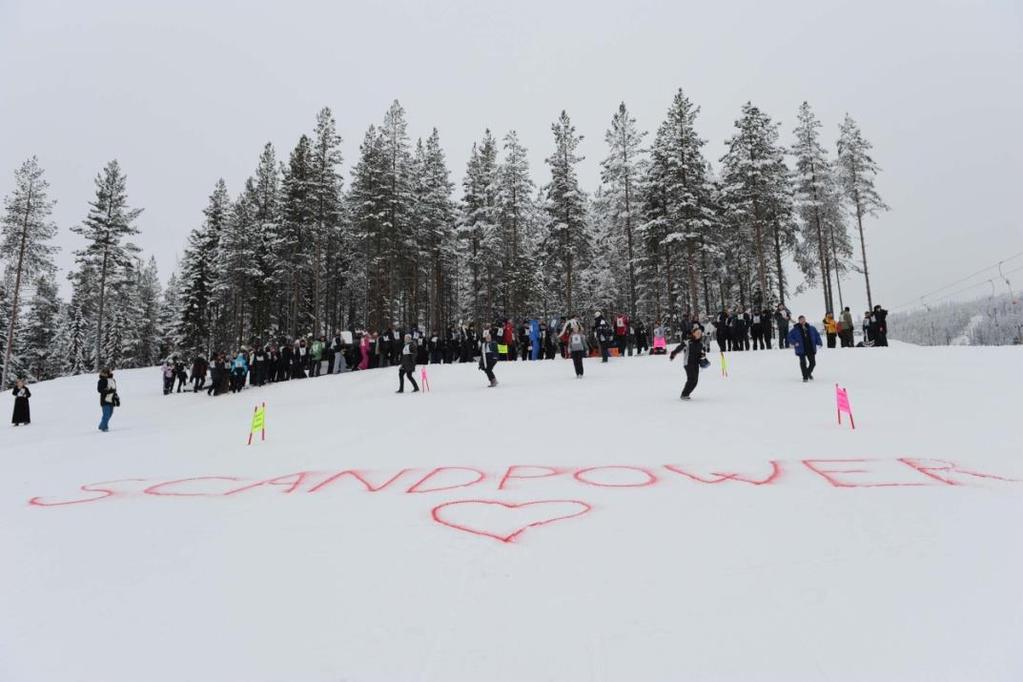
838 473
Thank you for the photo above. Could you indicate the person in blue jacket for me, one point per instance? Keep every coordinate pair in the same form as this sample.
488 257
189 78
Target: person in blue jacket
805 339
534 339
239 368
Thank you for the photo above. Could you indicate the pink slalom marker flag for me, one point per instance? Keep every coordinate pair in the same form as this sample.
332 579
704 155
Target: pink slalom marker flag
842 399
426 382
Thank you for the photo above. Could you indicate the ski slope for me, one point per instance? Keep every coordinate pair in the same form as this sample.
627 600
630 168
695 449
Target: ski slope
548 529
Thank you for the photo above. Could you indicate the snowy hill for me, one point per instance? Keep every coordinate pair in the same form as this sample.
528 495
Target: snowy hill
547 529
992 321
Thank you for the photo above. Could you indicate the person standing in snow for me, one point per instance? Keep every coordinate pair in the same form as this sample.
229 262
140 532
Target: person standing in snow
805 340
880 316
830 329
577 348
621 330
488 357
199 367
693 356
21 412
168 374
108 398
847 328
756 330
407 365
602 330
239 368
782 316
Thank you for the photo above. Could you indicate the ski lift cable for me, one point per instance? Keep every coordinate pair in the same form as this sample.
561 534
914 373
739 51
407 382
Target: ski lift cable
958 281
948 297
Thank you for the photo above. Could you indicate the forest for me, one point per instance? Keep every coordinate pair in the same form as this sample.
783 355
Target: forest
307 245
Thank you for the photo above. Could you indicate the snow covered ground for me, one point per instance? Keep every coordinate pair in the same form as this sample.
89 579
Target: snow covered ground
548 529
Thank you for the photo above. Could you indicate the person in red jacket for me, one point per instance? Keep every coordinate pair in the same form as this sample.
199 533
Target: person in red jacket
509 340
621 325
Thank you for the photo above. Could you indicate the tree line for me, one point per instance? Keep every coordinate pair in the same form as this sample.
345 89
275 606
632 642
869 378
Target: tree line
666 234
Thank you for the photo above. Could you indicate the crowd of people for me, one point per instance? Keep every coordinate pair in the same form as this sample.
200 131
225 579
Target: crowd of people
505 340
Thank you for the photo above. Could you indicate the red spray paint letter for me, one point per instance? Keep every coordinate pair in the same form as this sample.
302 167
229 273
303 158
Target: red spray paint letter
513 472
439 471
89 488
358 476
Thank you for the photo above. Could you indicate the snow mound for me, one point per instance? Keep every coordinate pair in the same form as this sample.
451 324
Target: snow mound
547 529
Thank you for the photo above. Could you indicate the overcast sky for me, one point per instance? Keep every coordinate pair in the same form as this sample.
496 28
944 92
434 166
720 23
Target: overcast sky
183 93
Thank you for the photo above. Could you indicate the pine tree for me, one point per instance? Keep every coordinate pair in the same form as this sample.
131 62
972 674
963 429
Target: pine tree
263 249
756 194
813 189
621 173
24 235
165 308
516 209
150 336
295 266
435 215
566 241
40 328
109 223
193 326
366 199
857 171
325 185
480 230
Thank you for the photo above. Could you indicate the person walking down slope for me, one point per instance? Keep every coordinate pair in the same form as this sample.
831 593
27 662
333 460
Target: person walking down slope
488 357
108 398
805 339
407 365
577 348
21 412
694 357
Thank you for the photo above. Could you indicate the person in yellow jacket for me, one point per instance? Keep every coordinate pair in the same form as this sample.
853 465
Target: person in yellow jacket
830 329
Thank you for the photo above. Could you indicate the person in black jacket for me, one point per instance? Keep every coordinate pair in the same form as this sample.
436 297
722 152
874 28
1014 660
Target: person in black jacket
694 355
880 316
721 331
108 400
199 367
488 357
21 412
407 365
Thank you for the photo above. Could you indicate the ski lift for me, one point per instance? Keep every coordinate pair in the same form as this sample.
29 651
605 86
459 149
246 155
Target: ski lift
990 299
1012 297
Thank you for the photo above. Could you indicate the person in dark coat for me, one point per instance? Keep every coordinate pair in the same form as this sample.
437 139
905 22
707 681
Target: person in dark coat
488 357
781 321
765 321
639 330
694 355
180 373
577 347
21 395
880 316
407 365
199 368
805 340
756 329
108 400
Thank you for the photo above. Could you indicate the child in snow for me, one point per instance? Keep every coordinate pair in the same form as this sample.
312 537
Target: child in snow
694 357
21 396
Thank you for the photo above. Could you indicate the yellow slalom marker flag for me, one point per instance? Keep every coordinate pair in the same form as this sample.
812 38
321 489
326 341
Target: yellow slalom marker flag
258 423
724 366
502 349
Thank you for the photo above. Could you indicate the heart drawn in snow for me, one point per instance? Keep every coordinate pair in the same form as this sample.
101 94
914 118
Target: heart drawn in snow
505 521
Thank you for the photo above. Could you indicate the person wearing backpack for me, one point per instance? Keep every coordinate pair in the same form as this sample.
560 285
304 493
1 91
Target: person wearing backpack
108 398
693 358
577 348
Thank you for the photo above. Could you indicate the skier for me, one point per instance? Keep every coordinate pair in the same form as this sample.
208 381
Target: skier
407 366
602 330
830 329
257 370
641 341
694 357
21 412
805 339
765 322
577 347
488 357
108 399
